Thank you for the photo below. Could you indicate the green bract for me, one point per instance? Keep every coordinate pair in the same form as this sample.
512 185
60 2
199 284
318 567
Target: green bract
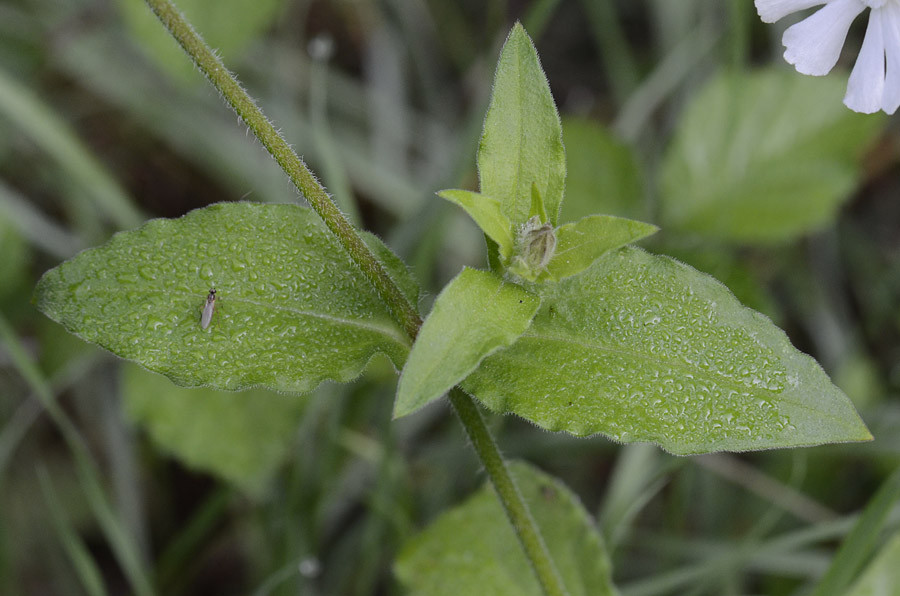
488 214
292 310
581 243
643 348
474 316
472 549
522 168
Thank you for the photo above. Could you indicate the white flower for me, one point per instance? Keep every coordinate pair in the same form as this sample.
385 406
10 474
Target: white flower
814 44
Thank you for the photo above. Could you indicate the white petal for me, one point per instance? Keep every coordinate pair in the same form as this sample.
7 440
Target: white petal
814 44
773 10
891 27
866 86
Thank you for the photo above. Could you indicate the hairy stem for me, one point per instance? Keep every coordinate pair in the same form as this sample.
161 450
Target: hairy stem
508 492
211 66
403 311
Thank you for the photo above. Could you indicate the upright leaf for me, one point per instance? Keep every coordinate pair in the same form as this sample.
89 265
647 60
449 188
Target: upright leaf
292 310
522 144
643 348
472 549
763 157
474 316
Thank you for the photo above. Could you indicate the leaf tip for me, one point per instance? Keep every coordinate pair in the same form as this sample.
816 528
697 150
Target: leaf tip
407 402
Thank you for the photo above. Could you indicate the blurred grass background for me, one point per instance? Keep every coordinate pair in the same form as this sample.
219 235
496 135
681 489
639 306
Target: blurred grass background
131 485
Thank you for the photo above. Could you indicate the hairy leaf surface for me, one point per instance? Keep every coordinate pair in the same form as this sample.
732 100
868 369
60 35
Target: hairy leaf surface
581 243
643 348
522 140
292 310
474 316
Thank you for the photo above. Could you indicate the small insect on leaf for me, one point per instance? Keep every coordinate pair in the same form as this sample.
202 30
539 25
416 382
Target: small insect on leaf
208 309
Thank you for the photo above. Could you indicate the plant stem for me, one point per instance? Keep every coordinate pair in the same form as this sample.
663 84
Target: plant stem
508 492
211 66
403 311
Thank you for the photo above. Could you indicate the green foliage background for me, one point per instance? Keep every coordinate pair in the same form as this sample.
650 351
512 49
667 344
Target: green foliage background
676 113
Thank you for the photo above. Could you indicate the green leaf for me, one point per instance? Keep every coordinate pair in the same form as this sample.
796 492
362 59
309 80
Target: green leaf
487 213
240 437
862 539
292 310
643 348
522 140
227 25
474 316
764 157
882 576
472 549
581 243
604 175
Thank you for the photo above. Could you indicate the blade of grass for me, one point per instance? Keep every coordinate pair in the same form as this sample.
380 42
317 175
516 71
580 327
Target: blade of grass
333 170
122 544
57 139
669 74
862 540
85 568
184 548
615 52
35 226
779 493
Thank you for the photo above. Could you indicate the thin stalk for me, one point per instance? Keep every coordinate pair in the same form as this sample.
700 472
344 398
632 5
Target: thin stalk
508 492
211 66
403 311
739 34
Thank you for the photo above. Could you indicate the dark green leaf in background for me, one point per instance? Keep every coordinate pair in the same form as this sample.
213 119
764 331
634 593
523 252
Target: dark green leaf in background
472 549
292 309
603 173
643 348
241 437
764 157
521 144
